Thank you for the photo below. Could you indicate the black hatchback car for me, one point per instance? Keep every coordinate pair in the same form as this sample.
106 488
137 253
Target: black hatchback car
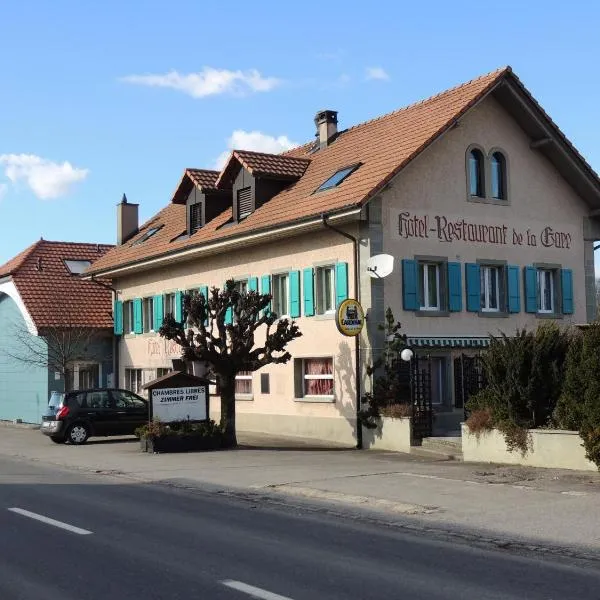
75 416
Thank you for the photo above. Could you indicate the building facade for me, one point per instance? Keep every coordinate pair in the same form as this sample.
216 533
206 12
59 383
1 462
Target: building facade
488 211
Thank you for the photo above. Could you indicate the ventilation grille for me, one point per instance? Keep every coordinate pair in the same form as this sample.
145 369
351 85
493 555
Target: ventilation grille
244 200
195 217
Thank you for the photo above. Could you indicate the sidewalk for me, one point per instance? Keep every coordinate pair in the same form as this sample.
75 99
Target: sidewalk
504 504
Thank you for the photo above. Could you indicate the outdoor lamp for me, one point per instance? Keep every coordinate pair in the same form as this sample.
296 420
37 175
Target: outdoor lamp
407 354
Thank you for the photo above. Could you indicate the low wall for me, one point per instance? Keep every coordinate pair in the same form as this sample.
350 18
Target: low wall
551 448
390 434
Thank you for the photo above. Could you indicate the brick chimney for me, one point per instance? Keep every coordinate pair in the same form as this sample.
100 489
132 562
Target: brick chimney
127 220
326 122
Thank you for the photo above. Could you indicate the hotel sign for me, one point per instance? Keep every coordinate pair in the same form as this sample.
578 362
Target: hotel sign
457 229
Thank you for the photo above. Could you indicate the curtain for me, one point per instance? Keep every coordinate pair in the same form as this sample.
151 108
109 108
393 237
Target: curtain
318 377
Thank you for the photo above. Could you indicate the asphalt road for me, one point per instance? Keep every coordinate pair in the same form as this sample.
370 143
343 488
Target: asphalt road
109 538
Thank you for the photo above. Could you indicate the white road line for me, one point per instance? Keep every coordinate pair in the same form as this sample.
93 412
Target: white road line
253 591
50 521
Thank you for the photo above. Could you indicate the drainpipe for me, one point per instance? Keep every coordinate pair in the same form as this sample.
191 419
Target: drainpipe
324 217
115 341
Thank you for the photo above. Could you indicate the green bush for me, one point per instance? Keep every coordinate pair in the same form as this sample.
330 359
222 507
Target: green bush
158 429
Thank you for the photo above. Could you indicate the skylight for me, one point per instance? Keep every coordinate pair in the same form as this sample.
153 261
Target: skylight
337 178
76 267
149 233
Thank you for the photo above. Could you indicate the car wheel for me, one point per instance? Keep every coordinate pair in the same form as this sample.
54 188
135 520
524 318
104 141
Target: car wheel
57 439
78 433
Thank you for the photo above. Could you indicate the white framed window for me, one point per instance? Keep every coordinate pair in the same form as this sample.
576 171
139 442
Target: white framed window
317 377
429 286
476 170
546 290
241 286
169 304
77 267
325 288
134 380
491 277
280 294
243 383
148 314
128 316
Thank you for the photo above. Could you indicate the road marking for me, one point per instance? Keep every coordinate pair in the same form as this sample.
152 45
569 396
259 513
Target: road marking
50 521
253 591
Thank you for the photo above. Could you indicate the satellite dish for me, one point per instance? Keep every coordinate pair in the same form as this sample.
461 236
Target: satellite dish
380 266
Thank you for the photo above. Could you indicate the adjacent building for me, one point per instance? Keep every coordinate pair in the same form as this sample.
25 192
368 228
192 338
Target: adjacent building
489 212
56 329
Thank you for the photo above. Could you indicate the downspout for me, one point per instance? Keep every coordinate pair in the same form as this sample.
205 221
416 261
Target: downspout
115 341
324 217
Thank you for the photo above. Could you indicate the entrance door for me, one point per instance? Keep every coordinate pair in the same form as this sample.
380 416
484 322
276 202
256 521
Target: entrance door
439 378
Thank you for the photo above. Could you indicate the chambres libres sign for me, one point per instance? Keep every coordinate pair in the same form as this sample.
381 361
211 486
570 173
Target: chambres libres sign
180 404
451 229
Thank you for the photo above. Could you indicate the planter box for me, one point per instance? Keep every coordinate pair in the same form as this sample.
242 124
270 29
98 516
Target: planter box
174 443
550 448
390 434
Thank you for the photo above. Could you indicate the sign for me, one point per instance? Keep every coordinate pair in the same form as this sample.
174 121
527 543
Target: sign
444 228
162 348
350 317
180 404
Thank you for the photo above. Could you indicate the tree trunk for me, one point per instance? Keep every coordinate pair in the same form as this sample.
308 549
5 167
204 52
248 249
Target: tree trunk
228 409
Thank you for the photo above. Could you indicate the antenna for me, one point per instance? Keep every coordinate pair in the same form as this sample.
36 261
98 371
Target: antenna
380 266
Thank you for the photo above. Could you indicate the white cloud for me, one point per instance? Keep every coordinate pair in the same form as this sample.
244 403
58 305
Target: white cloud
254 140
376 73
47 179
208 82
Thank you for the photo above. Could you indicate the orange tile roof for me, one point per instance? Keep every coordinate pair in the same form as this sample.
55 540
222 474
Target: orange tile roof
383 146
203 178
52 295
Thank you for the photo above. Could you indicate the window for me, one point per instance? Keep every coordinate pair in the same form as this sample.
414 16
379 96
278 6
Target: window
429 286
89 376
243 383
169 304
325 284
148 314
148 234
244 203
128 316
498 176
134 380
317 376
491 278
337 178
476 182
280 294
195 217
546 291
241 286
76 267
161 372
125 400
99 399
182 236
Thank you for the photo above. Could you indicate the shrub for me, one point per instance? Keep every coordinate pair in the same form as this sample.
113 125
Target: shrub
480 421
396 411
158 429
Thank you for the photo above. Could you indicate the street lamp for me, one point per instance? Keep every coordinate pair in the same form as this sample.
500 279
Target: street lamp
407 354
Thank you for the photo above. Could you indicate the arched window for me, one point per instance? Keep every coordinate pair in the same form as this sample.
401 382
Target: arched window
498 174
476 185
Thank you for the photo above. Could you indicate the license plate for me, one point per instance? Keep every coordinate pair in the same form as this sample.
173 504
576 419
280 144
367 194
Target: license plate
46 424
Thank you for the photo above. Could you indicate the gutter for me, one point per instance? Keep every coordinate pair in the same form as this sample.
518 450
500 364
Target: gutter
324 220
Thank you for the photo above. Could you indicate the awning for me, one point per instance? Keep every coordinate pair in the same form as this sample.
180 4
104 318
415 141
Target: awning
449 342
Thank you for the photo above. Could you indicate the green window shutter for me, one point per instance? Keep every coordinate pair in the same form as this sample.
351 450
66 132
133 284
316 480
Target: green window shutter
454 287
158 312
138 324
341 282
309 292
178 316
530 289
265 288
294 278
253 284
514 293
409 284
473 280
566 279
118 317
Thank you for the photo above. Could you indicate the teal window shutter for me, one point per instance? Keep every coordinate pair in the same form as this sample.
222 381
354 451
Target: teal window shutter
178 316
473 280
341 282
409 284
294 277
118 317
514 293
253 284
158 312
454 287
265 288
229 316
566 278
138 325
530 289
309 292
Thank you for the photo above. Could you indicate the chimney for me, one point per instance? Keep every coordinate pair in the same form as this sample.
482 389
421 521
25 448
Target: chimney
326 122
127 220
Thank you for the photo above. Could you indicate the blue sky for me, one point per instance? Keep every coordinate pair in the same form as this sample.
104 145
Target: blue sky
108 97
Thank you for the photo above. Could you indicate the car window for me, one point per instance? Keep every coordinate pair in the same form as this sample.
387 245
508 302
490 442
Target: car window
76 399
56 399
98 399
127 400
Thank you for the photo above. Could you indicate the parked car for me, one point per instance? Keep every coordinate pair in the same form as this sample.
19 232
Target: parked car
75 416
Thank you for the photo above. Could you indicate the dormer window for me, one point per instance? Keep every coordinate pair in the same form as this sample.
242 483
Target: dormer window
337 178
195 217
76 267
148 234
244 202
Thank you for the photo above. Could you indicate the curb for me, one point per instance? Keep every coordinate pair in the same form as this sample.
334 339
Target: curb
15 425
